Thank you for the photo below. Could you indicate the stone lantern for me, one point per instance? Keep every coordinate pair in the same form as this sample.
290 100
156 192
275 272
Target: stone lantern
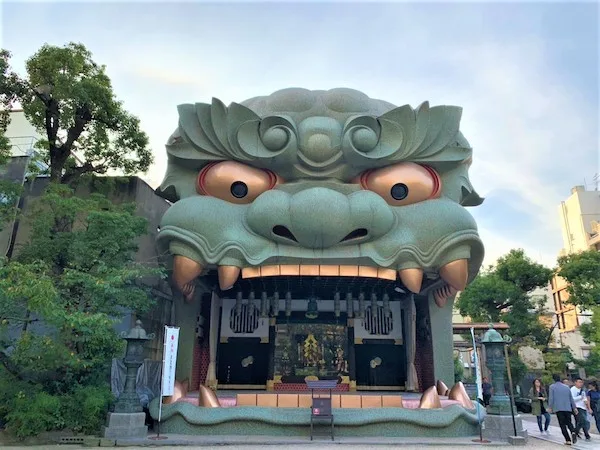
501 422
496 362
128 418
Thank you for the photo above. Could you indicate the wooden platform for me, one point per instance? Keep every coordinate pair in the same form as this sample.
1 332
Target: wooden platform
363 400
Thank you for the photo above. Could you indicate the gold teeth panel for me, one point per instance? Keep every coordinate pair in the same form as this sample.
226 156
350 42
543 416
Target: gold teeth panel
319 270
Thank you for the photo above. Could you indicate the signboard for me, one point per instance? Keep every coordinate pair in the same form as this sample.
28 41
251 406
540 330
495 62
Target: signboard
169 360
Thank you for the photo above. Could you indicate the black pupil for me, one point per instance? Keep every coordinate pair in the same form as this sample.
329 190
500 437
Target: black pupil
399 191
239 189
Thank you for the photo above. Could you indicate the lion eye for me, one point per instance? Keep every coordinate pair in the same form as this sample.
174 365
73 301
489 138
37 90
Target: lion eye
403 184
234 182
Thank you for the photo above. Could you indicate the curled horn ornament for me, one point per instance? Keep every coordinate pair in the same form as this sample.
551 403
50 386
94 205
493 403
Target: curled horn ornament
264 139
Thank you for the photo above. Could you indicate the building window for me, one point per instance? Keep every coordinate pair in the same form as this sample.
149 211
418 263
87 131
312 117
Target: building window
556 302
561 322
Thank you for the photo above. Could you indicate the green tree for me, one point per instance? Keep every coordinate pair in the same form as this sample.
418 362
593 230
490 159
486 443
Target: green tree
582 273
69 98
9 191
9 84
459 370
77 281
555 361
503 293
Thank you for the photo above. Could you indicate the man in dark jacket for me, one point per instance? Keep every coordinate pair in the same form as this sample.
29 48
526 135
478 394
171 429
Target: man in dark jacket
561 402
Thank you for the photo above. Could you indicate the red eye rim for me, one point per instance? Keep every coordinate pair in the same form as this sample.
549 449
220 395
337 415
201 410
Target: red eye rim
200 184
437 182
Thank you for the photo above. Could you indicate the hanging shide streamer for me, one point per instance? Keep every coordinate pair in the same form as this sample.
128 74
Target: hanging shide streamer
275 304
336 304
238 303
264 305
349 305
251 299
361 305
386 306
288 304
374 304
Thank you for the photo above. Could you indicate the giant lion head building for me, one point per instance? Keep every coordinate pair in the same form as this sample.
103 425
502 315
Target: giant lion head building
318 235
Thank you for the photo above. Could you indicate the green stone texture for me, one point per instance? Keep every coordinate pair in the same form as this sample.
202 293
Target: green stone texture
184 418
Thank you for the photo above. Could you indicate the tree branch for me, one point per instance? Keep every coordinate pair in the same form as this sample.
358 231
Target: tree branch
80 170
113 125
83 116
18 319
8 365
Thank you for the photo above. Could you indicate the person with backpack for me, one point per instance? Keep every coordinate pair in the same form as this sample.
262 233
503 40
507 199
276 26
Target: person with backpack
594 402
580 398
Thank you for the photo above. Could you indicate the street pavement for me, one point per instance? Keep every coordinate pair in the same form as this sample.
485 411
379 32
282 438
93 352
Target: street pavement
554 421
541 441
554 434
531 444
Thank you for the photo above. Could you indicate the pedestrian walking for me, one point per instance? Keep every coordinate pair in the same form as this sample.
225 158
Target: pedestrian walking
560 401
487 391
580 398
539 404
594 402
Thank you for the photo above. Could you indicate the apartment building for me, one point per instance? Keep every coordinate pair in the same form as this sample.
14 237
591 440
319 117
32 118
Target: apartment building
580 223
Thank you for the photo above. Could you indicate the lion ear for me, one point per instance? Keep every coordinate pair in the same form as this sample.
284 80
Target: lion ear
179 182
469 197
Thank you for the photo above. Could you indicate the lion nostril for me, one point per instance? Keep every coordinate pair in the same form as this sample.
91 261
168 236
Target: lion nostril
284 232
358 233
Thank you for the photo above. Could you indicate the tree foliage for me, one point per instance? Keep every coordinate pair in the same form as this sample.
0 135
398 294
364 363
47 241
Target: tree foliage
582 273
9 191
69 98
62 295
9 84
503 293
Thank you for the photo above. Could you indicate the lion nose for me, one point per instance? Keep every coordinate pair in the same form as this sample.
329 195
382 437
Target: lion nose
320 218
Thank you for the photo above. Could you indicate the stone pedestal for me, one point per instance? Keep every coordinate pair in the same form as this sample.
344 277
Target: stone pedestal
500 428
125 425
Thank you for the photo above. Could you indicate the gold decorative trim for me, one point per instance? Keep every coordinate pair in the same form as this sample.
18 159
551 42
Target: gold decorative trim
270 385
242 387
264 340
224 340
345 379
269 271
277 379
398 341
380 388
358 341
325 270
272 321
352 387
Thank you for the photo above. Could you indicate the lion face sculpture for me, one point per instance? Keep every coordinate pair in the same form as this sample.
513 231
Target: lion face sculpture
321 183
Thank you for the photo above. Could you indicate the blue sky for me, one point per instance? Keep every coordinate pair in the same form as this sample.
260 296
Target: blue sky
525 74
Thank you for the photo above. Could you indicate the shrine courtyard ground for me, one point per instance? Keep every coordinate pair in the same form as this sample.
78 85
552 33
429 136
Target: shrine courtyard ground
553 440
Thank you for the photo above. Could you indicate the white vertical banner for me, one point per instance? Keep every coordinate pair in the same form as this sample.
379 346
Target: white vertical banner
477 369
169 360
